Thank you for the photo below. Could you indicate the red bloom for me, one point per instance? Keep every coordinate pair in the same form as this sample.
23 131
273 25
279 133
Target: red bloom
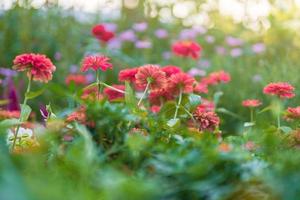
216 77
5 114
113 94
292 113
201 88
183 81
157 97
206 106
170 70
187 49
251 103
153 74
155 109
280 89
128 74
95 63
80 117
207 120
78 79
38 66
101 33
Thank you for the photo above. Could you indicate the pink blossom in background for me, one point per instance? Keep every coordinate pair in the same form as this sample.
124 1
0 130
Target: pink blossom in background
236 52
128 35
258 48
161 33
204 63
257 78
167 55
210 39
143 44
233 41
199 29
57 56
187 34
220 50
110 26
140 27
196 72
114 44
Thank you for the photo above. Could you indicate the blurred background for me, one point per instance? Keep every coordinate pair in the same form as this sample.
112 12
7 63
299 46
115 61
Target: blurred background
256 41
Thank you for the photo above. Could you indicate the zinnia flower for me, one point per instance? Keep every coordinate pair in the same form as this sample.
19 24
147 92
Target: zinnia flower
201 88
215 78
80 117
157 97
292 113
251 103
100 32
170 70
182 81
128 74
280 89
78 79
208 121
38 66
155 109
187 49
95 63
113 94
206 106
152 74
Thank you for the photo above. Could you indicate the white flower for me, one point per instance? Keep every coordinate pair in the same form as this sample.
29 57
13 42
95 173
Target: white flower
24 133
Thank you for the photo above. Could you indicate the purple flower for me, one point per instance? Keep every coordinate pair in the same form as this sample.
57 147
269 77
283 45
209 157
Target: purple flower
167 55
57 56
161 33
114 44
210 39
140 27
258 48
44 112
220 50
73 69
257 78
110 27
188 34
196 72
204 63
13 102
232 41
236 52
127 35
7 72
90 78
199 29
143 44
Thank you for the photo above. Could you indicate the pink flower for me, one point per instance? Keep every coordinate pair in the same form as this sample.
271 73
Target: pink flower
201 88
251 103
215 78
157 97
152 74
170 70
280 89
113 94
187 49
181 81
95 63
208 121
155 109
292 113
206 106
128 74
78 79
38 66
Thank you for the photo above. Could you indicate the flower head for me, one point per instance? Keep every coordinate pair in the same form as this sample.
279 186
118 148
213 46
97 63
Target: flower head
182 81
151 74
78 79
206 106
157 97
96 62
187 49
38 66
170 70
201 88
128 74
101 33
215 78
208 121
251 103
292 113
281 89
113 94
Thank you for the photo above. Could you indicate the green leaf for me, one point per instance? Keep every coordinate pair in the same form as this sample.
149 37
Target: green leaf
25 112
265 109
7 123
225 111
33 94
286 129
168 109
217 97
130 96
173 122
194 100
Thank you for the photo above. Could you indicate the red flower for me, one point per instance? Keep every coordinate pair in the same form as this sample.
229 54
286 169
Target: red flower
38 66
206 106
183 81
157 97
155 109
187 49
207 120
5 114
95 63
80 117
170 70
201 88
128 74
153 74
292 113
113 94
216 77
251 103
280 89
78 79
101 33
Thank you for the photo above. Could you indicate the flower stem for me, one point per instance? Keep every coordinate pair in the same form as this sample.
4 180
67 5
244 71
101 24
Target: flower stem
178 104
98 84
144 93
20 119
251 115
278 120
111 87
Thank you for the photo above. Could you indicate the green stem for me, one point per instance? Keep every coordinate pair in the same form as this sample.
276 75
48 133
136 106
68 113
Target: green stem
111 87
144 93
278 120
20 119
191 115
178 104
251 115
98 84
